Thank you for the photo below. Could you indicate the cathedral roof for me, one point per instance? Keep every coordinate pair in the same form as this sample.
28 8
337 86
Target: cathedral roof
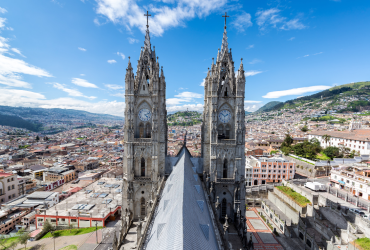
182 219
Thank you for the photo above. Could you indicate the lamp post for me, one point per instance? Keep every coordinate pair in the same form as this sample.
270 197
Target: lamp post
96 227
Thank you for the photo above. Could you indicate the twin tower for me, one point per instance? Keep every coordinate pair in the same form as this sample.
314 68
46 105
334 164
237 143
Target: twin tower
222 164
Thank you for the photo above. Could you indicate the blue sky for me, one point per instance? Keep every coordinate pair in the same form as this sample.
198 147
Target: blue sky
74 54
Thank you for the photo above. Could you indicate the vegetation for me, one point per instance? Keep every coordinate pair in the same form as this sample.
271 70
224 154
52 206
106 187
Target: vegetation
70 247
8 243
299 199
71 232
23 237
268 106
184 118
18 122
363 243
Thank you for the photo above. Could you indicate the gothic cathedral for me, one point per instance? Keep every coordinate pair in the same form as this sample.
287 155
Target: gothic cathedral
223 132
145 130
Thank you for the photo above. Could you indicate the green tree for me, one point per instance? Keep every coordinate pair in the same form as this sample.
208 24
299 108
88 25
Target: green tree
304 128
326 138
37 138
23 237
287 141
332 152
47 227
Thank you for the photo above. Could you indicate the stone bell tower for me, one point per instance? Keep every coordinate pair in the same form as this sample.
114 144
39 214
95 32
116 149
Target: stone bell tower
223 132
145 130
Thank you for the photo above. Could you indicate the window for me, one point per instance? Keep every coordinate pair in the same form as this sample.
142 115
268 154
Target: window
227 134
12 179
148 130
9 197
53 220
13 195
73 220
141 130
283 176
142 207
223 207
143 86
9 188
142 169
12 186
226 92
40 219
224 174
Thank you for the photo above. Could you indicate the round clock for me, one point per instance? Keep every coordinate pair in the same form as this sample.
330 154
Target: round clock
224 116
145 115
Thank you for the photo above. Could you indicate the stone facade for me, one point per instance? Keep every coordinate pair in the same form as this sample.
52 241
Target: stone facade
223 132
145 131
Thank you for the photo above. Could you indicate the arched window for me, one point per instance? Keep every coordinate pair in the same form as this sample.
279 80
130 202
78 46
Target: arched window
143 86
147 80
226 92
141 130
227 134
142 167
255 182
142 207
224 172
148 130
223 208
220 130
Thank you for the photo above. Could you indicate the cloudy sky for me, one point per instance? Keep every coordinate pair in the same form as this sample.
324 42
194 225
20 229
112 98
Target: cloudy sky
74 54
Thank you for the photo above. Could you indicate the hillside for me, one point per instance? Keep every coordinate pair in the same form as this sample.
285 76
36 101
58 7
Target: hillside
18 122
352 97
184 118
268 106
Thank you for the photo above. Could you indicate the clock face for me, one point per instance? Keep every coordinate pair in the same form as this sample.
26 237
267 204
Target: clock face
145 115
224 116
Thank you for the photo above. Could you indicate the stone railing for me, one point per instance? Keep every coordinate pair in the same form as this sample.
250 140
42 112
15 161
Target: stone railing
142 178
227 141
226 180
143 140
151 214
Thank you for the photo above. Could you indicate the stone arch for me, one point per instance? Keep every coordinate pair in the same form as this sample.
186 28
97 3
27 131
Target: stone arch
225 168
141 130
148 130
142 207
142 167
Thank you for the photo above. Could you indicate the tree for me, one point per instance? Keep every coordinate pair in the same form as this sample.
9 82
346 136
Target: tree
71 226
326 138
304 128
287 141
23 237
332 152
47 227
37 138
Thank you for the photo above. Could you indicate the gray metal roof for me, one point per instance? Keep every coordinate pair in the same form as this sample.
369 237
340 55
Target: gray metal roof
182 218
40 195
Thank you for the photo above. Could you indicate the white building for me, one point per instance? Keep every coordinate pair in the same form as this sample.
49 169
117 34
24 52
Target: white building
355 180
358 140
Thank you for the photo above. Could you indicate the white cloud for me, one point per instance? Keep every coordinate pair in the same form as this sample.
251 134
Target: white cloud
23 98
254 61
82 74
165 14
318 53
242 22
113 86
306 55
121 55
111 61
291 39
250 46
295 91
191 107
71 92
183 97
203 82
83 83
2 22
17 51
272 18
82 49
253 107
132 40
11 70
122 94
2 10
249 101
252 73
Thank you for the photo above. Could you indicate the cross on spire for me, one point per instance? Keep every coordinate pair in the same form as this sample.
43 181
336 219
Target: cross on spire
147 18
225 16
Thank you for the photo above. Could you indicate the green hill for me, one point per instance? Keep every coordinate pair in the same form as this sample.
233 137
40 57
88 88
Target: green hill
359 90
268 106
18 122
184 118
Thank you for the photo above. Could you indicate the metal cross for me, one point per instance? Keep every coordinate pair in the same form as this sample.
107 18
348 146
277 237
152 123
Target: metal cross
147 18
225 16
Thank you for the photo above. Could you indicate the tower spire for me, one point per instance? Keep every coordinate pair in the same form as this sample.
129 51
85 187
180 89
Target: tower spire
147 37
224 45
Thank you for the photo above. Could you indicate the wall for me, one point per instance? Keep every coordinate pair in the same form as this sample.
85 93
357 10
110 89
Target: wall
306 167
284 207
289 201
314 198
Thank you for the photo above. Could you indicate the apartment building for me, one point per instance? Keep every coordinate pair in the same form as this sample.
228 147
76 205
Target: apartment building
59 173
9 185
358 140
88 165
266 170
354 179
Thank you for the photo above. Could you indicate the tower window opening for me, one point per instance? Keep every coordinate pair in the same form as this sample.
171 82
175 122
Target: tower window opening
142 207
226 92
143 87
147 80
224 172
148 130
141 130
227 134
142 167
223 210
